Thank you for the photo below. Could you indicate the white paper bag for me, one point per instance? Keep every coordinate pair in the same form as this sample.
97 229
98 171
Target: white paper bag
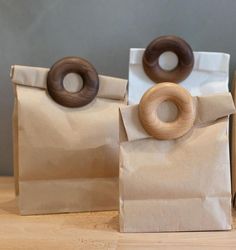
209 75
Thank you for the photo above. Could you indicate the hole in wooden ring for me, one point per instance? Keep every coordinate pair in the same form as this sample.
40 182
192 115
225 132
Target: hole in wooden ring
168 61
73 82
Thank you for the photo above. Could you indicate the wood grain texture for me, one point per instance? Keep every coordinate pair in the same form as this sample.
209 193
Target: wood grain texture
57 74
168 43
98 230
148 111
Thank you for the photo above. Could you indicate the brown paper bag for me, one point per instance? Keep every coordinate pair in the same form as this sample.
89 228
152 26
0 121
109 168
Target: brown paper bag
66 159
181 184
233 145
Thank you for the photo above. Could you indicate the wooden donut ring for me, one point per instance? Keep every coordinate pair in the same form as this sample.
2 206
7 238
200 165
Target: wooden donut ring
168 43
57 74
148 111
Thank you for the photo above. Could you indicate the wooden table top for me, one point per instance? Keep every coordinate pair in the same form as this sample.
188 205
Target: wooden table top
98 230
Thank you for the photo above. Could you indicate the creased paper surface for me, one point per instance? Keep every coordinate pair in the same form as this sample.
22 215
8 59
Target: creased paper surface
66 160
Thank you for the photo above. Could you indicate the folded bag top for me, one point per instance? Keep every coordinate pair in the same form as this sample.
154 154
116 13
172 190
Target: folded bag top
159 62
143 120
53 80
163 44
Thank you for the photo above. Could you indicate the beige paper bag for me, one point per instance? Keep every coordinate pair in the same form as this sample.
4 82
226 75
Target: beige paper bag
177 185
66 159
233 145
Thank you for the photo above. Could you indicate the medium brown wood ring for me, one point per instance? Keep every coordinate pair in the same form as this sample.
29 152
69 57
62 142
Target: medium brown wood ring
56 76
148 111
168 43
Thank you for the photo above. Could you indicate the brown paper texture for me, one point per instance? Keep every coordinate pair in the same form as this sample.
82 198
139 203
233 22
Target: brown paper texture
177 185
66 160
233 145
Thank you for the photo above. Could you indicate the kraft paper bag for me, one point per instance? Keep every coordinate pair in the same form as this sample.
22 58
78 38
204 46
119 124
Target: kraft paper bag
65 159
181 184
209 76
233 145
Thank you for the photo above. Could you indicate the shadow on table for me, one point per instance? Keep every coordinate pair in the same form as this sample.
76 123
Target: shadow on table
92 221
9 207
114 223
97 221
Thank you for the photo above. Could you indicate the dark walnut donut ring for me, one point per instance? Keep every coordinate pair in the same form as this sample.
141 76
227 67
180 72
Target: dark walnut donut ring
148 111
57 74
168 43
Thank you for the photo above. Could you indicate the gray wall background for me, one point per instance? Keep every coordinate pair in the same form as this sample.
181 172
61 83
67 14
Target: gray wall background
39 32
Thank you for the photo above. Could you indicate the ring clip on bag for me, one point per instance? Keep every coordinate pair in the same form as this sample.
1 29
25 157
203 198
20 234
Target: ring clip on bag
175 175
66 142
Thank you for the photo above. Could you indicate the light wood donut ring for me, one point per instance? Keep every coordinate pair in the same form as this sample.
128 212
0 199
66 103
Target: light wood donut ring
148 111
